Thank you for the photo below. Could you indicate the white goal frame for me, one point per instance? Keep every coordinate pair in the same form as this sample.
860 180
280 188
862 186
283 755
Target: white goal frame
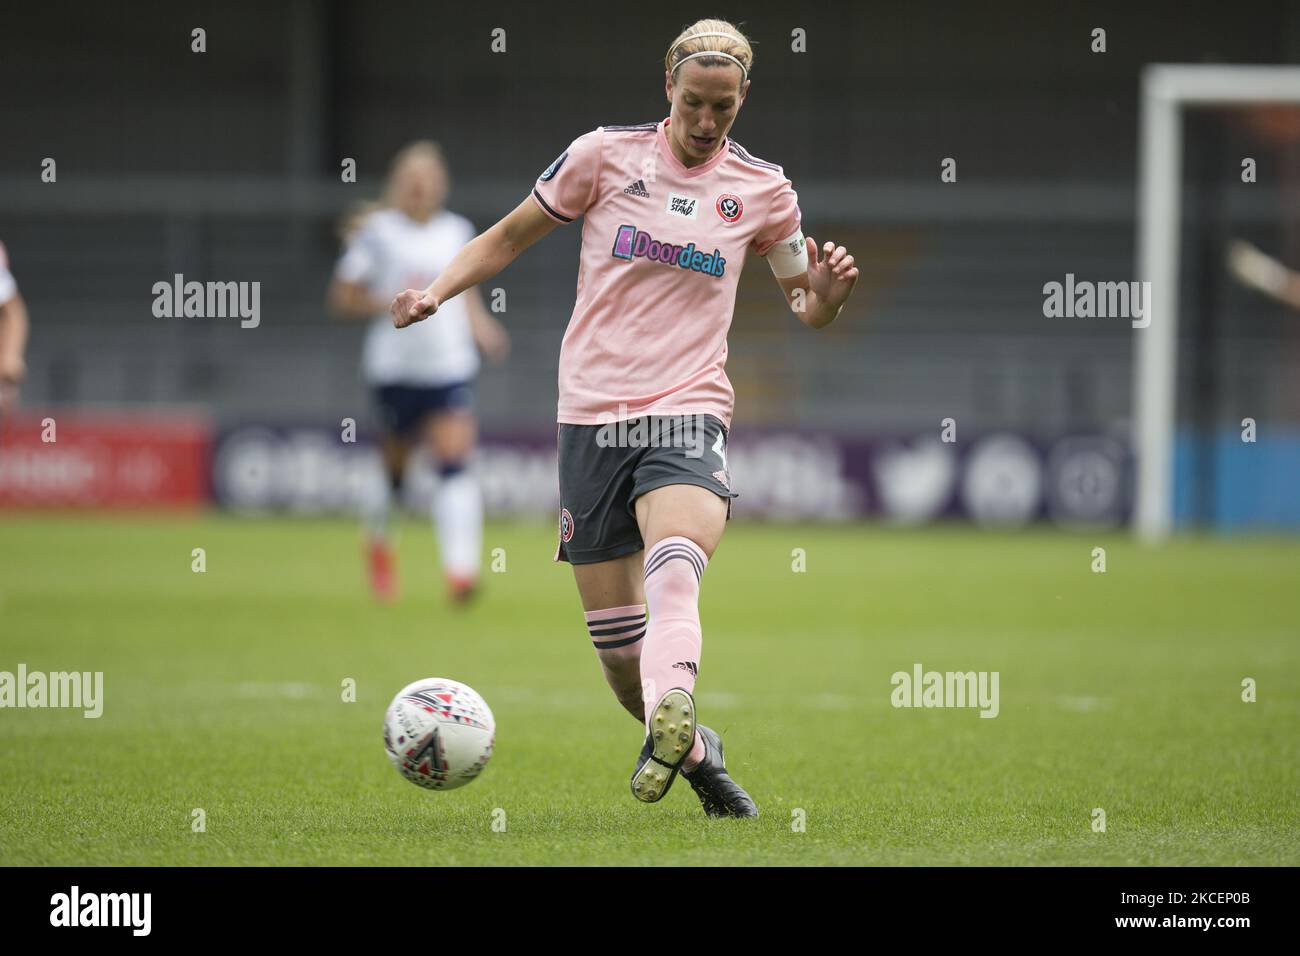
1166 90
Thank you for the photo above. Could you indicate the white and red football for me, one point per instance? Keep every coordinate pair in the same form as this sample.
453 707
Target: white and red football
439 733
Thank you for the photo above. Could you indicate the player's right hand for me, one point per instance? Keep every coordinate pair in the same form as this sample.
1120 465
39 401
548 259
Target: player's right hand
411 306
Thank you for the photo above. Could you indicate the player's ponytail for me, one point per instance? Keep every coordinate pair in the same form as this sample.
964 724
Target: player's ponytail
355 217
712 43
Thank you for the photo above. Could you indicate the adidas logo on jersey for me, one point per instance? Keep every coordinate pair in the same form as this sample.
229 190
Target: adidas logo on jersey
689 666
638 189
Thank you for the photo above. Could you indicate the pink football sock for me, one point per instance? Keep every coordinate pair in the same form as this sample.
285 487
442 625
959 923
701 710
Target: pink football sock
670 656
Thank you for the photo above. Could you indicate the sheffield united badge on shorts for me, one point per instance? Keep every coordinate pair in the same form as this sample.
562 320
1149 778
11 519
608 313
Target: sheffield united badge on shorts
729 207
566 525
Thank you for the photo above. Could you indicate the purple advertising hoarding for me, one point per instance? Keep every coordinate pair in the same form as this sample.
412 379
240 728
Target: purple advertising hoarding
1001 479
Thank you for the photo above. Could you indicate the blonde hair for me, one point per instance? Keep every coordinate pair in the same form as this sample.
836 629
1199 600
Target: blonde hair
418 150
711 36
357 214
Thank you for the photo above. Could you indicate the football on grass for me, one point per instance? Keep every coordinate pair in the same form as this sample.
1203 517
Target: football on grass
439 733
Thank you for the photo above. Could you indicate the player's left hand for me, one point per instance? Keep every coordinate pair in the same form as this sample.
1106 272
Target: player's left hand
832 275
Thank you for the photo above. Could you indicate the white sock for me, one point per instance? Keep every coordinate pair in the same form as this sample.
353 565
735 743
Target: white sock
376 502
458 523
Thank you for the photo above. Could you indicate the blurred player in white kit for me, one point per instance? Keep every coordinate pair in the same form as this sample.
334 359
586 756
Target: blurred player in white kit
422 385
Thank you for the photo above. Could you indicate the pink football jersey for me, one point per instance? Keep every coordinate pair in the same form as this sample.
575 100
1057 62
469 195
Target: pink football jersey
662 249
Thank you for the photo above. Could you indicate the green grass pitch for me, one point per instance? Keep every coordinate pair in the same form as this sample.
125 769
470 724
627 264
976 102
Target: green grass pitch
1120 691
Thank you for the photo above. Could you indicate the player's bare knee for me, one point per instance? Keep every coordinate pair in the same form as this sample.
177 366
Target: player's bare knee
614 583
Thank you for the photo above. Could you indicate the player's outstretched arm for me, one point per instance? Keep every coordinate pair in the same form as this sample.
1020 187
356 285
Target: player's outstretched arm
1262 272
352 300
825 287
481 258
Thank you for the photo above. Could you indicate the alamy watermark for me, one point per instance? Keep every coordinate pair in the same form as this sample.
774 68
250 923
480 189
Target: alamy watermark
79 690
1102 300
209 300
75 908
946 689
656 431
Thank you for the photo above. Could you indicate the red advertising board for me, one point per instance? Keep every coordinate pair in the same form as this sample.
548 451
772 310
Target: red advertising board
96 460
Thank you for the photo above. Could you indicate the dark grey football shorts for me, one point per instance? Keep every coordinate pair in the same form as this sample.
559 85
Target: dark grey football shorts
605 468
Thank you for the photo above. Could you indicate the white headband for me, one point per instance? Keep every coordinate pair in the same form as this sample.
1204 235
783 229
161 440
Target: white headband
691 56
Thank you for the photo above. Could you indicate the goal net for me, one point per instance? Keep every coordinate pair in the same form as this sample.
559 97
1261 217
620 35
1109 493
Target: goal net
1217 370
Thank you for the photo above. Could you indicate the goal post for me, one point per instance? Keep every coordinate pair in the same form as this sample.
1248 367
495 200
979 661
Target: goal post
1168 89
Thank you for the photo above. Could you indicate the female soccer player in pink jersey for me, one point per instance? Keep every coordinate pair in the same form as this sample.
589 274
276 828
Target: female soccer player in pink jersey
670 210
